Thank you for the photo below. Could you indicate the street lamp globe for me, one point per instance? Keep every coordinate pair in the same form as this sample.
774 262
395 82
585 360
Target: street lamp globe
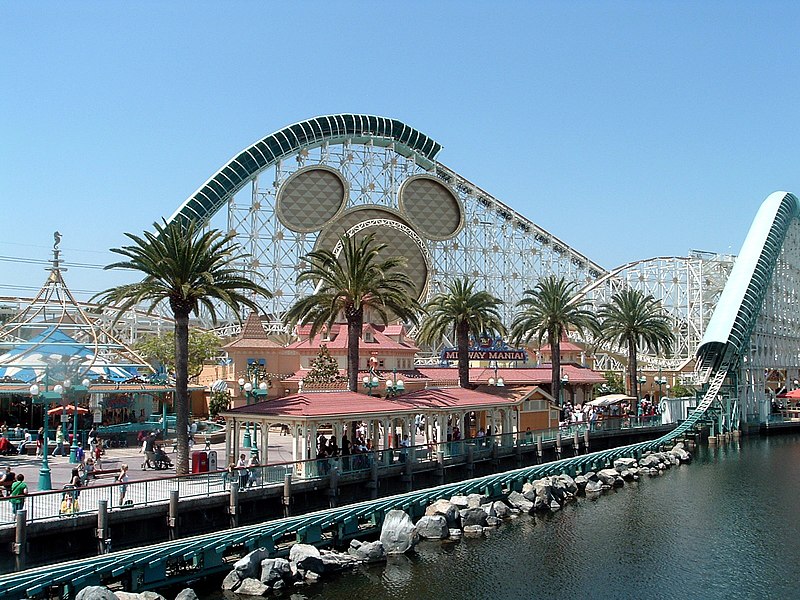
58 388
248 387
491 381
365 380
241 382
400 385
34 389
500 382
375 381
262 386
67 384
389 384
86 382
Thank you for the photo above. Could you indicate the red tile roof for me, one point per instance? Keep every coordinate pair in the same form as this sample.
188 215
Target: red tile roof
352 405
531 375
339 339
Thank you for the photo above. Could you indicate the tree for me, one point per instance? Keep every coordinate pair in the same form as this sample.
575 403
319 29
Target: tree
324 368
461 310
187 268
549 310
218 402
632 319
203 345
346 285
614 384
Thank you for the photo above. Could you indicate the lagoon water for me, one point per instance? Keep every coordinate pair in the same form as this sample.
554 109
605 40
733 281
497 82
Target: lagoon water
727 526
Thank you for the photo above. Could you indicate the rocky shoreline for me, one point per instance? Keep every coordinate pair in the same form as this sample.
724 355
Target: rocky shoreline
256 574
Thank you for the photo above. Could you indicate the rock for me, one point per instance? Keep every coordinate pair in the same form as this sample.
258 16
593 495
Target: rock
679 451
473 516
593 487
627 475
500 509
455 534
519 501
312 577
274 569
580 482
623 464
554 506
397 534
475 500
277 586
306 557
649 461
607 476
252 587
96 592
488 508
186 594
473 531
148 595
433 528
232 581
249 566
445 508
122 595
460 501
570 485
368 551
333 562
493 522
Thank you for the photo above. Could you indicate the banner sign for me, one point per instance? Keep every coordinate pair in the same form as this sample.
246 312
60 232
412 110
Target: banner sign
505 355
488 348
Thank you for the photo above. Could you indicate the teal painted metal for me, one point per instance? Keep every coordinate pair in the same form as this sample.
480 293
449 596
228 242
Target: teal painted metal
224 184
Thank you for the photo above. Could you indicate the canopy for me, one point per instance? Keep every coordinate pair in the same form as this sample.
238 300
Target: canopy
70 409
793 394
609 400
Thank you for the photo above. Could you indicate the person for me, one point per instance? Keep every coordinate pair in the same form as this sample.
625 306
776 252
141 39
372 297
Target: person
88 469
59 449
39 441
91 437
69 499
8 480
80 455
23 446
345 453
241 465
252 469
149 451
123 479
405 444
19 490
333 448
162 461
98 451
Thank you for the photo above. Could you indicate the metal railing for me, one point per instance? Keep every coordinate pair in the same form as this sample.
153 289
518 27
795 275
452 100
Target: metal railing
66 503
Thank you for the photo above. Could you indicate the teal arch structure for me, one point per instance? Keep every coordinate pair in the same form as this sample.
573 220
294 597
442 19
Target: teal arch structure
242 168
737 310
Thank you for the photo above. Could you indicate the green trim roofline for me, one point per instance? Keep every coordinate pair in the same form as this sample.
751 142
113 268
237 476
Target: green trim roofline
241 169
739 304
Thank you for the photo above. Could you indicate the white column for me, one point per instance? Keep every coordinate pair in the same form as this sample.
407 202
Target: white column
295 435
264 442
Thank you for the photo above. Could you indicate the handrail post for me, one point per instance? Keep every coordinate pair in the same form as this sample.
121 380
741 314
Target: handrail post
21 540
333 490
470 461
172 520
233 504
576 447
373 475
102 527
287 494
539 449
586 440
558 444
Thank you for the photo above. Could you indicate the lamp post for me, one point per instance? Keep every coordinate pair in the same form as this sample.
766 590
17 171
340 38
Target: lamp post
395 385
250 392
73 450
37 395
659 382
496 381
370 381
641 380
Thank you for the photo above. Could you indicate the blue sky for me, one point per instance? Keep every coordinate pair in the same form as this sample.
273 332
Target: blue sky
627 129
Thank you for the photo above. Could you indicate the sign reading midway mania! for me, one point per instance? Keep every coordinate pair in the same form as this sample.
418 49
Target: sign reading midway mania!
488 349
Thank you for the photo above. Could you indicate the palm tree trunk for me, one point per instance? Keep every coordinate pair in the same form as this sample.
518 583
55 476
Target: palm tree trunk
634 382
555 361
462 339
181 400
354 326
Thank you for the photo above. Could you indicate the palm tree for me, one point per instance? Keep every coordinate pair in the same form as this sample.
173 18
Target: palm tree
188 269
632 319
549 310
347 285
461 311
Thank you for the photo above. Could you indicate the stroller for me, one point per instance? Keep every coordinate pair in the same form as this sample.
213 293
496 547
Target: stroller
162 461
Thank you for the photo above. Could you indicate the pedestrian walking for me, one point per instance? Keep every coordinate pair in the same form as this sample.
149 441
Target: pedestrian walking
123 479
18 492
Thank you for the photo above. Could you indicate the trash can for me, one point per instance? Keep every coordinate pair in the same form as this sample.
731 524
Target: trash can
199 461
212 461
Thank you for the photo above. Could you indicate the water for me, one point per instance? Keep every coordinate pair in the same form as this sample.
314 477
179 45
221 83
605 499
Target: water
725 526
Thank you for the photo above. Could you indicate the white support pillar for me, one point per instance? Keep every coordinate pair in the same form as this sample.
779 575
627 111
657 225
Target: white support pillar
264 442
295 436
